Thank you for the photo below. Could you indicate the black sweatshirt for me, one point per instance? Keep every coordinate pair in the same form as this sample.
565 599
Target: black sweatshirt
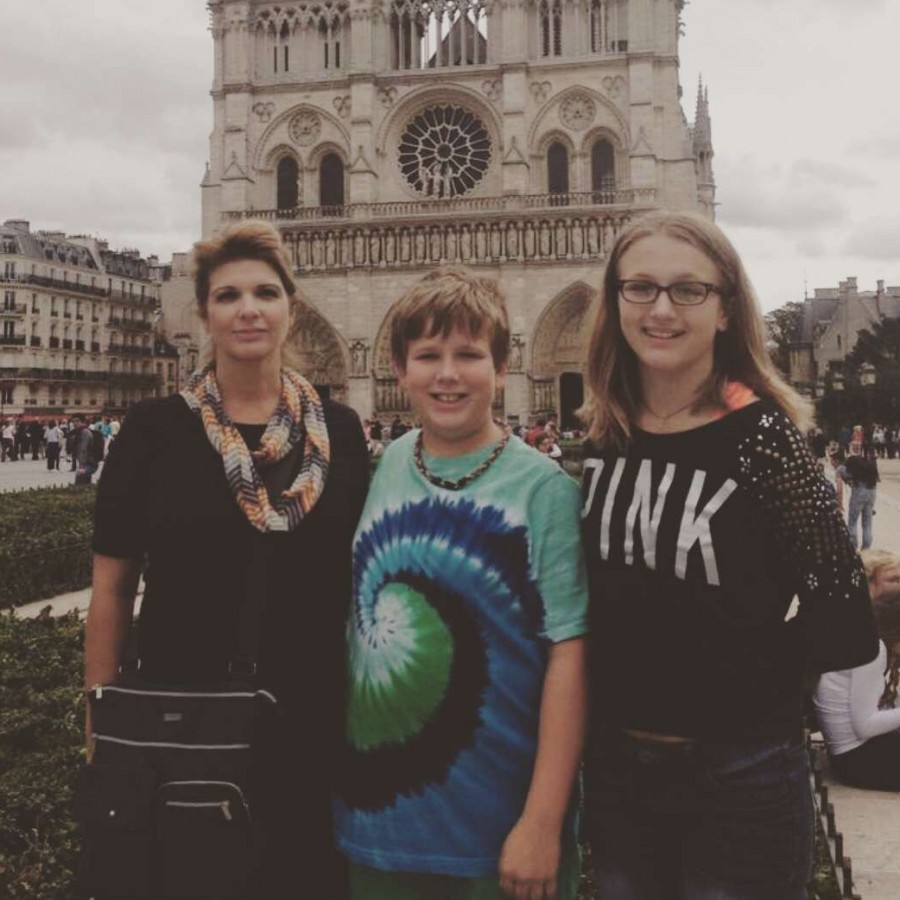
696 544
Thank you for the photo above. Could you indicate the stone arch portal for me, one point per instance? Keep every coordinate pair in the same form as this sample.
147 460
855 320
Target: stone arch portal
318 354
559 348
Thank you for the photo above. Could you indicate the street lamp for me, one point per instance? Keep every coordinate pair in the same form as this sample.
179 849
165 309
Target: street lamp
867 375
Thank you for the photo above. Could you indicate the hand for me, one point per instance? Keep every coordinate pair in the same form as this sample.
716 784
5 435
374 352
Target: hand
529 861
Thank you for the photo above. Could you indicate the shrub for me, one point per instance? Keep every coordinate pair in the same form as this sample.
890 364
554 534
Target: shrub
45 542
41 748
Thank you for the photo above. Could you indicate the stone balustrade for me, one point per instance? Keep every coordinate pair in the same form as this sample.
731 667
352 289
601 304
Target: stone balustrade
548 238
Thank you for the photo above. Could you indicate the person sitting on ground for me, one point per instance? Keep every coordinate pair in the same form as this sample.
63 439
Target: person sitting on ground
857 708
547 445
882 571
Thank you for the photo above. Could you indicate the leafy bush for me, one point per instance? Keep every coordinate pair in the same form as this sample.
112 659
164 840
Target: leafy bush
41 748
45 542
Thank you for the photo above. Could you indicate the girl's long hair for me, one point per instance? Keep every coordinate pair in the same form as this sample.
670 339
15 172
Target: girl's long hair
611 374
887 619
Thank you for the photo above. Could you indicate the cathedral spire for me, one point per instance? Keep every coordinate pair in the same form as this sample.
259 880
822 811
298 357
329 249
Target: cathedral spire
703 149
702 122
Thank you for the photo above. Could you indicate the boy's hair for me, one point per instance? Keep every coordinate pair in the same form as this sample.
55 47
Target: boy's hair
611 371
875 560
447 298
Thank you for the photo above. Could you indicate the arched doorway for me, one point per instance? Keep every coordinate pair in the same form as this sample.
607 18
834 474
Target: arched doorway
559 347
571 396
318 354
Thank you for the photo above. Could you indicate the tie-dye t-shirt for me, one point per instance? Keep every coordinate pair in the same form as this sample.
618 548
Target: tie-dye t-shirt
457 597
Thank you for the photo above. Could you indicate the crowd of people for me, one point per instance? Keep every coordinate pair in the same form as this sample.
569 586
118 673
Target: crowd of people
452 643
72 441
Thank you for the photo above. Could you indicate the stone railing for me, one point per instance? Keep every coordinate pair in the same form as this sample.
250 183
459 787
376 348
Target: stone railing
431 209
543 238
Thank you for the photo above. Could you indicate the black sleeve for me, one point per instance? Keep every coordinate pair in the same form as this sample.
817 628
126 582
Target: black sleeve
347 438
835 616
119 514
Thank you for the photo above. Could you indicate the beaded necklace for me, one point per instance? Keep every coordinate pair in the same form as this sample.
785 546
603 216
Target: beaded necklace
445 483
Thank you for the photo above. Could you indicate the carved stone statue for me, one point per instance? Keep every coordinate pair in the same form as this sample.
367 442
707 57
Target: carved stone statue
465 243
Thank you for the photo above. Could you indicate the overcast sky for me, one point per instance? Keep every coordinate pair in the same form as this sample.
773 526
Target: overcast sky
106 114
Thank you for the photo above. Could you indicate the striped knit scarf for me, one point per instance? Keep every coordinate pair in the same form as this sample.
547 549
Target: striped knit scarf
298 418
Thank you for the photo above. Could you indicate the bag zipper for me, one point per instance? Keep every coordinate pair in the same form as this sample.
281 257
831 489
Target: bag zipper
224 805
99 689
230 784
115 740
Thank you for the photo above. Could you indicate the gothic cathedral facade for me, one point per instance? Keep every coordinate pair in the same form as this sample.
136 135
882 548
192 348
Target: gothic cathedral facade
386 137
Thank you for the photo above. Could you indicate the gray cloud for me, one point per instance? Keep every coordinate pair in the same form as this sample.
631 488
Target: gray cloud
772 196
111 119
877 238
819 172
885 145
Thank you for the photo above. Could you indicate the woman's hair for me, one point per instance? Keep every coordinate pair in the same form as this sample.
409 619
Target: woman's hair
613 386
887 619
448 298
875 560
249 239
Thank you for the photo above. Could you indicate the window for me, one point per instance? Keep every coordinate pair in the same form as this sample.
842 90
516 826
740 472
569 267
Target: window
6 395
608 26
427 35
557 169
288 174
331 181
550 12
603 172
330 36
281 52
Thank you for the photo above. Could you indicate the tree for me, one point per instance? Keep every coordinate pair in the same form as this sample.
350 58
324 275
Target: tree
879 346
783 325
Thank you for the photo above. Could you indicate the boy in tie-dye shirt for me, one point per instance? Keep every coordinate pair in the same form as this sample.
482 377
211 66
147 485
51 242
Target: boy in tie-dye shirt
466 697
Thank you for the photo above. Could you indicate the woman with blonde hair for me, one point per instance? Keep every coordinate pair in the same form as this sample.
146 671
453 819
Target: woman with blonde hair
247 482
704 514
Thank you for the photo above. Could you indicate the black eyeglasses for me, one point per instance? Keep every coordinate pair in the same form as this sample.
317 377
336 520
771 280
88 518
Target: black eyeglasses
682 293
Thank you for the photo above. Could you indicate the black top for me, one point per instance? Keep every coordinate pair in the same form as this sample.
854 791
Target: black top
696 544
163 495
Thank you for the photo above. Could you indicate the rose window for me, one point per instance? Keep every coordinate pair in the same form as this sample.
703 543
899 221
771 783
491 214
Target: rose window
444 151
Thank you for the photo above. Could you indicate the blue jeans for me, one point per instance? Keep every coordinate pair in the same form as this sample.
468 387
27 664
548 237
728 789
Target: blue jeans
703 821
862 503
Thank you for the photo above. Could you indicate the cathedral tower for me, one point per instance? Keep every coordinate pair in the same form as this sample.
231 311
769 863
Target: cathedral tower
385 137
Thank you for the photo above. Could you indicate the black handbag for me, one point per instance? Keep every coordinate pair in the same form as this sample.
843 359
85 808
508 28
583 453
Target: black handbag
167 804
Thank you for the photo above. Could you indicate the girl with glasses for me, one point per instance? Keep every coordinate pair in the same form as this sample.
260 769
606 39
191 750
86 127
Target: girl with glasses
704 515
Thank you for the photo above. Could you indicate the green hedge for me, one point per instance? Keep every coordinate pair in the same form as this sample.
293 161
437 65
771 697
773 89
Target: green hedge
45 542
41 748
